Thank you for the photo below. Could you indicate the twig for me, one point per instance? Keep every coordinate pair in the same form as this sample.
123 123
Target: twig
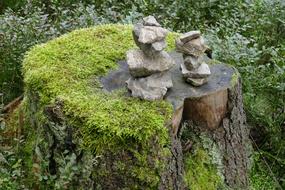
12 105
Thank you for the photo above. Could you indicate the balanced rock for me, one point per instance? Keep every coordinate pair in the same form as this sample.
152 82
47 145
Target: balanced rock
190 36
150 21
192 62
151 49
137 29
194 69
141 65
195 47
203 71
149 65
153 87
159 46
151 34
197 82
150 39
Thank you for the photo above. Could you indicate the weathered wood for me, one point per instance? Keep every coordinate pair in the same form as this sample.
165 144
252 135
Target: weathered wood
207 111
233 139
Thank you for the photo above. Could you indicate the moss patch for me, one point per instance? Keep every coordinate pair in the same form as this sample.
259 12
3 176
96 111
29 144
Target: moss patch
107 124
235 78
203 164
62 68
200 172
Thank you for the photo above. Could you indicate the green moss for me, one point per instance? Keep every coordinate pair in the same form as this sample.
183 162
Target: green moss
213 62
104 122
203 164
234 79
70 61
200 172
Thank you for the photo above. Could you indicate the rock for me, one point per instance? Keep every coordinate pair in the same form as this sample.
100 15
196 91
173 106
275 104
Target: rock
190 36
149 62
192 62
197 82
151 34
150 21
146 48
195 47
140 65
153 87
150 49
194 69
137 29
202 71
159 46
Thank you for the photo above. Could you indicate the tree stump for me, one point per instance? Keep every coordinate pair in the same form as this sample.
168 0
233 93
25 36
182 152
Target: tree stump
85 133
214 110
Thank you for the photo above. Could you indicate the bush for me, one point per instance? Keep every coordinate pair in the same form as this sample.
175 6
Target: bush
256 48
22 29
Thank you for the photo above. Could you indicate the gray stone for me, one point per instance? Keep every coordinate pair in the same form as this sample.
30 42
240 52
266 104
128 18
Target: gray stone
153 87
197 82
202 71
141 65
137 29
146 48
195 47
190 36
150 62
192 62
159 46
150 21
151 34
150 49
150 39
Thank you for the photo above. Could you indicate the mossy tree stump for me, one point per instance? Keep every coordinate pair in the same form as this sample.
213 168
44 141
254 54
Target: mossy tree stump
86 130
214 110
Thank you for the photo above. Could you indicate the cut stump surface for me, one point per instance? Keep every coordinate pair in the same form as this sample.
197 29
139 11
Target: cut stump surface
206 105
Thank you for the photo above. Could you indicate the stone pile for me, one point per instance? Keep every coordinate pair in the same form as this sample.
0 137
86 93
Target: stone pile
150 64
194 69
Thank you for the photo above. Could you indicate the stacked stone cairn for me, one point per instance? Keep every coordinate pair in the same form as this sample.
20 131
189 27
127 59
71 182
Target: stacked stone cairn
150 64
194 69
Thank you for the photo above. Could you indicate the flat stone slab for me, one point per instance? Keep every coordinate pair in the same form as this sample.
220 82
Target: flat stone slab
153 87
140 65
203 71
190 36
220 79
197 81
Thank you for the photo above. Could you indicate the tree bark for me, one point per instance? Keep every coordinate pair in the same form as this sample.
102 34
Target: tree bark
221 116
232 137
216 109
